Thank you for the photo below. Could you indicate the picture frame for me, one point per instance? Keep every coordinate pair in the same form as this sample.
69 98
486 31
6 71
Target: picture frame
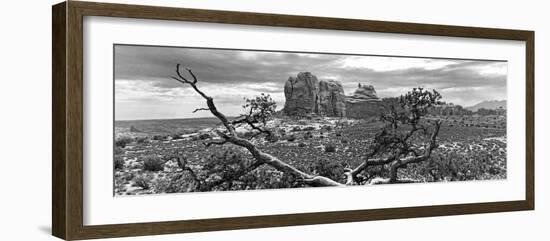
68 117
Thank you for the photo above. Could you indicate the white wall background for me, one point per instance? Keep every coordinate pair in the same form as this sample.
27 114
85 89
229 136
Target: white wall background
25 122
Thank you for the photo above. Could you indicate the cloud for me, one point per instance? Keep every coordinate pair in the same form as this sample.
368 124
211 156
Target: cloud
142 77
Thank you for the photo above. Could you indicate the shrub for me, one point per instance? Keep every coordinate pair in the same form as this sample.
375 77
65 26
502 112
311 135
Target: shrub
161 185
129 176
153 163
291 138
330 169
123 141
327 128
272 138
118 162
330 148
296 128
204 136
118 150
308 128
142 181
142 140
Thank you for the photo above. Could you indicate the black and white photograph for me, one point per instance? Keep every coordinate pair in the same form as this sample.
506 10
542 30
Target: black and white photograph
189 119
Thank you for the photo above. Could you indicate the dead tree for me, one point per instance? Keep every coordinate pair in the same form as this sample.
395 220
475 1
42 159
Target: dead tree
392 146
230 136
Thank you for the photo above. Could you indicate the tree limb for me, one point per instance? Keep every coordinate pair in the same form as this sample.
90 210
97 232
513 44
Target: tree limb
200 109
261 157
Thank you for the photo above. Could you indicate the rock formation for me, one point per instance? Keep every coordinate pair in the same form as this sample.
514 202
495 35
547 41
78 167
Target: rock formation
306 94
331 99
364 93
301 93
364 103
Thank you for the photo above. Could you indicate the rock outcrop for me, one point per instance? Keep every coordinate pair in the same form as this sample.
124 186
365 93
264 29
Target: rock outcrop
364 103
331 99
301 93
306 94
364 93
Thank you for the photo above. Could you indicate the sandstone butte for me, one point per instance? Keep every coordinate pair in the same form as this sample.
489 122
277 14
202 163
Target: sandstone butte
306 94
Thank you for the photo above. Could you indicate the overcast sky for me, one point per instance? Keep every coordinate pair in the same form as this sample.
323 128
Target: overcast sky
144 89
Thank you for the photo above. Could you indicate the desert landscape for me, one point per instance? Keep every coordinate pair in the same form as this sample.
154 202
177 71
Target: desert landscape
320 136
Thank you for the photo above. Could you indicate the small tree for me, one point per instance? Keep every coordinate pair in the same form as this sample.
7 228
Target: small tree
258 111
404 125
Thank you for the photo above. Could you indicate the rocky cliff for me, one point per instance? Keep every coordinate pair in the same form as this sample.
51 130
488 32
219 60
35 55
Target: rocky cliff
305 94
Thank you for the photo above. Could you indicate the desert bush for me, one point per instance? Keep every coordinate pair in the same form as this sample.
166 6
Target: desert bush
118 162
143 181
271 138
308 128
153 163
128 176
301 144
161 185
330 169
204 136
291 138
122 142
118 150
327 128
142 140
330 148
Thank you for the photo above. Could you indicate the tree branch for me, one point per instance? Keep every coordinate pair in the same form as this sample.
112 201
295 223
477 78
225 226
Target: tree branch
200 109
216 142
261 157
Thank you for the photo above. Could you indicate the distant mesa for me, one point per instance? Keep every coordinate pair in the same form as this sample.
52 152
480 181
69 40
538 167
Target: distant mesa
488 104
305 94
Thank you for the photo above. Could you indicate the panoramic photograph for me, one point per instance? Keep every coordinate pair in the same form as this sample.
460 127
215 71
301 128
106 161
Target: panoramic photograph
190 119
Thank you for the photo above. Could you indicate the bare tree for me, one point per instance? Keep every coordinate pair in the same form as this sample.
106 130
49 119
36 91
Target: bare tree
393 146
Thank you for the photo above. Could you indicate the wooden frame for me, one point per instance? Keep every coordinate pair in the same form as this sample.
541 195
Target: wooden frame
67 100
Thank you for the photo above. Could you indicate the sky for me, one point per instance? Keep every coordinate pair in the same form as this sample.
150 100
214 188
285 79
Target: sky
144 88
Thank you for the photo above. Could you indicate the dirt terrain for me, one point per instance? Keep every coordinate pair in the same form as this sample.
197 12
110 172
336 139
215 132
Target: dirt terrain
470 148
